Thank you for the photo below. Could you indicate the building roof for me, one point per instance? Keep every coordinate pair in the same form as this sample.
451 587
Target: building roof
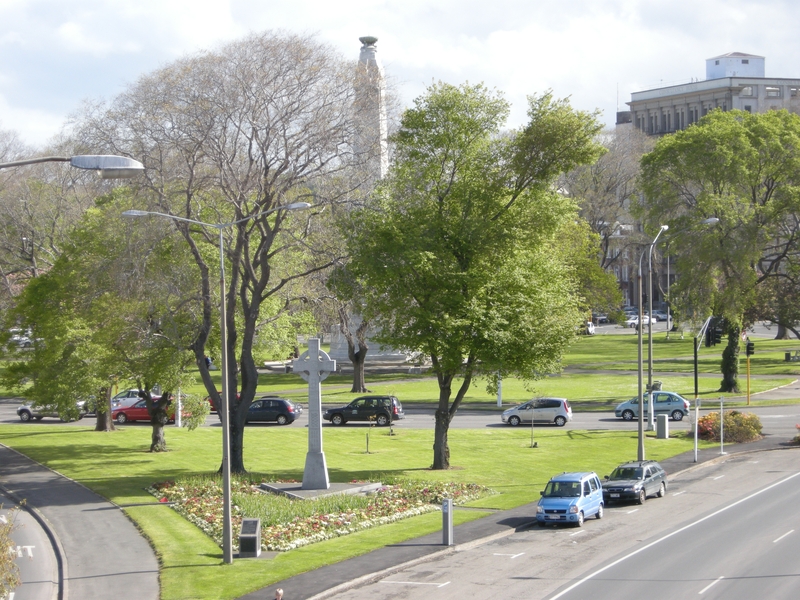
735 55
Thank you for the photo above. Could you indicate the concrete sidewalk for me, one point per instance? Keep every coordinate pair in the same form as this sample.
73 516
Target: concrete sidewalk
102 554
329 580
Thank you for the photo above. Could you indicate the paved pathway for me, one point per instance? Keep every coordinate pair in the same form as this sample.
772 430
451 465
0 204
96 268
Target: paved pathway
102 554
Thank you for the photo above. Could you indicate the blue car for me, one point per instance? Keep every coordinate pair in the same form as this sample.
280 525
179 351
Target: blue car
570 498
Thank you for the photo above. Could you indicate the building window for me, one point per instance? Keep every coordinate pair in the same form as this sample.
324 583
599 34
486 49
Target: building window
746 91
745 61
793 91
748 108
773 91
716 62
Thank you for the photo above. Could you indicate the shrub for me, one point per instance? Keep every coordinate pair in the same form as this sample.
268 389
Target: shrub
739 427
796 439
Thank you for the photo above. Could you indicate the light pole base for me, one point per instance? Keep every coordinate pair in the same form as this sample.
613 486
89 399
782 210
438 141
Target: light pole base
315 475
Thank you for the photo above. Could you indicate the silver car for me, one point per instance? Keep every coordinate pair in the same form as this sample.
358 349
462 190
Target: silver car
539 410
664 403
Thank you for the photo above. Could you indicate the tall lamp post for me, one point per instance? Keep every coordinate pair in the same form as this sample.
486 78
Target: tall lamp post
110 166
640 453
227 533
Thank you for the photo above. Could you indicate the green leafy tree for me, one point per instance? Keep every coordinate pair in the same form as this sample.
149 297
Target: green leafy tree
9 572
743 169
94 324
461 250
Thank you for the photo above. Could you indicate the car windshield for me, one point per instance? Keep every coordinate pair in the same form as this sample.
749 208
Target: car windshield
562 489
626 473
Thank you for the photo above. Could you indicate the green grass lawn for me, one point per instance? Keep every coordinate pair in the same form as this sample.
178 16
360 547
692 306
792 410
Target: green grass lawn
118 466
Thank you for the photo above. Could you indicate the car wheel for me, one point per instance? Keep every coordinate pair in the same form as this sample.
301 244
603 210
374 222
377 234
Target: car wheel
282 420
24 416
599 514
677 415
382 420
560 421
121 418
662 491
514 421
642 497
627 415
580 520
337 420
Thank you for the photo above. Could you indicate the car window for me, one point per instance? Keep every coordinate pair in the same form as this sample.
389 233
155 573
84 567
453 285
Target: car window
563 489
587 490
593 484
256 405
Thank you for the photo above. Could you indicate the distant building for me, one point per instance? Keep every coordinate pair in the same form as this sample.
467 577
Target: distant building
733 81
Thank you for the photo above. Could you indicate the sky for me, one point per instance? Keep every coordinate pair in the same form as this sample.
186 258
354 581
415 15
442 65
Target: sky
57 54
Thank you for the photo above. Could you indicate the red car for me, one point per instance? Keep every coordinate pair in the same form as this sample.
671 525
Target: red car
136 412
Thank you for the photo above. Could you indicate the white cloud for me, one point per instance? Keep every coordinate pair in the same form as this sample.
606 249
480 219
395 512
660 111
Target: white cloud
55 53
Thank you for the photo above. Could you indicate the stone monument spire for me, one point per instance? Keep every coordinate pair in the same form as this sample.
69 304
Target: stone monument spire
371 104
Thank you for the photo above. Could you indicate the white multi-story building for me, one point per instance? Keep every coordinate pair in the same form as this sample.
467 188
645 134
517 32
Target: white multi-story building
733 81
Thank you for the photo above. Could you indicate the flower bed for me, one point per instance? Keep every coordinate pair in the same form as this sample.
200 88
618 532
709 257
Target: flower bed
306 521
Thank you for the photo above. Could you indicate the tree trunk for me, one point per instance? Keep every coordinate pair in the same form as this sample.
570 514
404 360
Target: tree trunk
359 383
730 361
158 442
103 420
441 449
159 410
237 446
782 333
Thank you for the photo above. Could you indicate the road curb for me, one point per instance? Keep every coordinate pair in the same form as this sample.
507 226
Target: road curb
55 542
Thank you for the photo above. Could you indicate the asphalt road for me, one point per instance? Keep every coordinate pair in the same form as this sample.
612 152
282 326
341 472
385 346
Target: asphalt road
34 554
726 530
778 420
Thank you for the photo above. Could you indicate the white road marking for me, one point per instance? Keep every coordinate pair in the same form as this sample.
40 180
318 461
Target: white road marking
630 512
710 584
783 536
720 477
19 551
438 585
679 493
513 556
577 532
3 520
669 535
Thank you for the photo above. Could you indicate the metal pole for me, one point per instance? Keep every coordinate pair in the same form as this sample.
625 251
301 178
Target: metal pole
748 378
640 452
227 528
650 422
696 421
721 428
696 388
499 391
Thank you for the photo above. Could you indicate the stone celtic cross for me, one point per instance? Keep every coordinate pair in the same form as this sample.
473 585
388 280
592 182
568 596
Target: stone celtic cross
314 365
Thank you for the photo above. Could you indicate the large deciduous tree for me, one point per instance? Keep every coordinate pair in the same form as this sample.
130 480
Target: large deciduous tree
743 169
461 250
225 137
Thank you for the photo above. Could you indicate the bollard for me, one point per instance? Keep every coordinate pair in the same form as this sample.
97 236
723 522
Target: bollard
662 427
447 522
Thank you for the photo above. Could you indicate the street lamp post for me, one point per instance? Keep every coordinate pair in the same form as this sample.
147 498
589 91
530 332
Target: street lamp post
227 532
640 453
110 166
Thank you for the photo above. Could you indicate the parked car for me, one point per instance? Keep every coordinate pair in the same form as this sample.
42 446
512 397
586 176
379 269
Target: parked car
635 481
664 403
570 498
588 328
125 398
273 408
600 318
137 412
29 411
382 409
539 410
660 315
633 321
